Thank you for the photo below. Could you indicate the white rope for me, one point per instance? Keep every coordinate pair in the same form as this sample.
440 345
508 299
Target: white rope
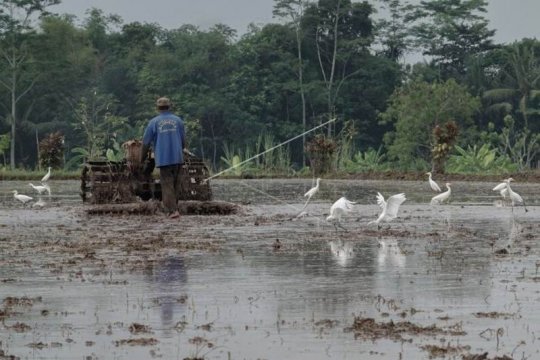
271 149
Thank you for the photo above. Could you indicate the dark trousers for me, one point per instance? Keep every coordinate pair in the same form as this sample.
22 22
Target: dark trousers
171 186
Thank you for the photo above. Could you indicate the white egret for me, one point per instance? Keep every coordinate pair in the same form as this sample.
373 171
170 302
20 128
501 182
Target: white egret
46 176
39 204
439 199
22 198
339 208
389 207
41 188
514 196
309 194
502 188
433 184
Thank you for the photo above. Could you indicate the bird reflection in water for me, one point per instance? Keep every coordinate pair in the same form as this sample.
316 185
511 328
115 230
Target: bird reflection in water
168 277
342 251
390 254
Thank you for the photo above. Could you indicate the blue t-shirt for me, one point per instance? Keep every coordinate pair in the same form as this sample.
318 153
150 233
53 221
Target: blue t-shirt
166 134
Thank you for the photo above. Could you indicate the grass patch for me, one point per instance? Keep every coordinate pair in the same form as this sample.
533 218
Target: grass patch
36 175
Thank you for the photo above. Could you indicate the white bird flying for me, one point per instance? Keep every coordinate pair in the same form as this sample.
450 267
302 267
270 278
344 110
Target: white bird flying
433 184
41 188
311 192
338 209
46 176
439 199
22 198
514 196
389 208
502 188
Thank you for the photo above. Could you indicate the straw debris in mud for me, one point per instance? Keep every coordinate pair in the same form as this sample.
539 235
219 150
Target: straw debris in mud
368 328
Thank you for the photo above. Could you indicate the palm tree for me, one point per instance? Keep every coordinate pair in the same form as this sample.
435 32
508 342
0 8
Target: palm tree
523 79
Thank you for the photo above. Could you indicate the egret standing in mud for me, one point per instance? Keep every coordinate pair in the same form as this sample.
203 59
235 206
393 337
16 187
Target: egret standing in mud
21 197
439 199
41 188
389 208
46 177
339 208
309 194
514 196
433 184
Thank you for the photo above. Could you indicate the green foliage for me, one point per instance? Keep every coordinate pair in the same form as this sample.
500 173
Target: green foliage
416 109
115 153
521 145
232 159
36 175
96 80
440 27
369 160
95 121
518 87
270 161
81 155
4 146
479 160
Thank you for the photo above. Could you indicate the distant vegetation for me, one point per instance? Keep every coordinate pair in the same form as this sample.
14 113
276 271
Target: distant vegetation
72 90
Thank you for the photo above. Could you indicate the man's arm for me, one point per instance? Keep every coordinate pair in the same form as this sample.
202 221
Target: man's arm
144 152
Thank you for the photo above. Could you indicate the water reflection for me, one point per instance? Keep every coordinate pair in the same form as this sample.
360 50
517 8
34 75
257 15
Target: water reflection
342 251
167 279
390 254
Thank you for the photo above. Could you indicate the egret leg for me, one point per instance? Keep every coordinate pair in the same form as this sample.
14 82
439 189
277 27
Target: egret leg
340 225
309 198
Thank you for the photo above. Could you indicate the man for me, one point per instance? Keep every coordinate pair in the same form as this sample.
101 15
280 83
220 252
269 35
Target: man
165 133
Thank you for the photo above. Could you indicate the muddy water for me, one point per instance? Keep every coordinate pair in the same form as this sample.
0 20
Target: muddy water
263 285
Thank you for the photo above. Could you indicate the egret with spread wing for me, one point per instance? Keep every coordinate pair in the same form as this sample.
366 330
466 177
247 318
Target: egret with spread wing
501 188
433 184
389 208
338 209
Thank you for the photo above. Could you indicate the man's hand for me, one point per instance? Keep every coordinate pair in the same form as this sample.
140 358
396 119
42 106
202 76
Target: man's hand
144 153
148 166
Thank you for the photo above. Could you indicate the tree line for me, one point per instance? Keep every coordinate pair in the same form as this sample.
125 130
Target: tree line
87 87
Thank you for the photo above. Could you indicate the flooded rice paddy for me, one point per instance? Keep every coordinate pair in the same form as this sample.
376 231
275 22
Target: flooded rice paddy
456 281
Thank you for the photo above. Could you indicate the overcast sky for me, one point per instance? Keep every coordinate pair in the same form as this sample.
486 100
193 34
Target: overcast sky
513 19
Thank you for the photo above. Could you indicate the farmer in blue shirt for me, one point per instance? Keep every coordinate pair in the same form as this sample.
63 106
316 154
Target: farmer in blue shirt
165 134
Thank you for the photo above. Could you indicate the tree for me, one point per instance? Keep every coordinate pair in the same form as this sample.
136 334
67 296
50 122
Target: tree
294 10
15 28
416 109
520 80
450 31
341 30
394 33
